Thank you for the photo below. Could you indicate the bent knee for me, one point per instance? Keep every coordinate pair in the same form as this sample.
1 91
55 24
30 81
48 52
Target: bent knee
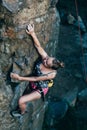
21 101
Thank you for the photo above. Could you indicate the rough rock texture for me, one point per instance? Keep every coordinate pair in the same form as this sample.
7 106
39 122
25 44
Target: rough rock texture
18 54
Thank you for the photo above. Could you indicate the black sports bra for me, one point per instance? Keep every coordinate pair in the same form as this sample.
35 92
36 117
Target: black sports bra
37 72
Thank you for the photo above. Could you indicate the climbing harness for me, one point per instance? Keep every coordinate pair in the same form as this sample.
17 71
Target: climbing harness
40 85
84 64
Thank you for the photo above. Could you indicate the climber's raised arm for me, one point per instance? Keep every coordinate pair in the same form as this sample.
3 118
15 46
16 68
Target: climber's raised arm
30 31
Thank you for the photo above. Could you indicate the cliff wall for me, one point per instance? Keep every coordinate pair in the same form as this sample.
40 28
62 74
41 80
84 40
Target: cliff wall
18 54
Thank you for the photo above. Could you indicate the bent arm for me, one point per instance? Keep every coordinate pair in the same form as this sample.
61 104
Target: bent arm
30 31
33 78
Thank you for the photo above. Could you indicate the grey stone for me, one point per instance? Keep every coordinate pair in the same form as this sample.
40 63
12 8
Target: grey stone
53 3
78 75
71 97
70 19
82 96
84 41
11 5
79 24
83 60
14 102
55 112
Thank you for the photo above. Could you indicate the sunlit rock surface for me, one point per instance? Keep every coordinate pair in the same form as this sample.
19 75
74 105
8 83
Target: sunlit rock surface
18 54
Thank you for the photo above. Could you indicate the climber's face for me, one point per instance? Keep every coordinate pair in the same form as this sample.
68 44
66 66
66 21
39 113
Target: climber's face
48 62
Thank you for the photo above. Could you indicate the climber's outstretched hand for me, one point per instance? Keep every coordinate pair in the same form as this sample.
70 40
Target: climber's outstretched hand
30 29
15 76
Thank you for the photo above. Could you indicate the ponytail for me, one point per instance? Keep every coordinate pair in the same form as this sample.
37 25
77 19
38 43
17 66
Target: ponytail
57 64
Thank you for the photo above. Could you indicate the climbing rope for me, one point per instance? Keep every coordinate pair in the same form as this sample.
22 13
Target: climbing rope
83 58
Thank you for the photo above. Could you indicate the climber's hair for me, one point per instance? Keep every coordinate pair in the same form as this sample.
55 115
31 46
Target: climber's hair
57 64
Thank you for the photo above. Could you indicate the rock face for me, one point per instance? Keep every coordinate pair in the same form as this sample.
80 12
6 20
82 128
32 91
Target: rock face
18 54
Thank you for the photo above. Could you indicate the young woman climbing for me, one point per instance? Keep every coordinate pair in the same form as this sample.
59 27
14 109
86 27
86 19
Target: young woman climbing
44 72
